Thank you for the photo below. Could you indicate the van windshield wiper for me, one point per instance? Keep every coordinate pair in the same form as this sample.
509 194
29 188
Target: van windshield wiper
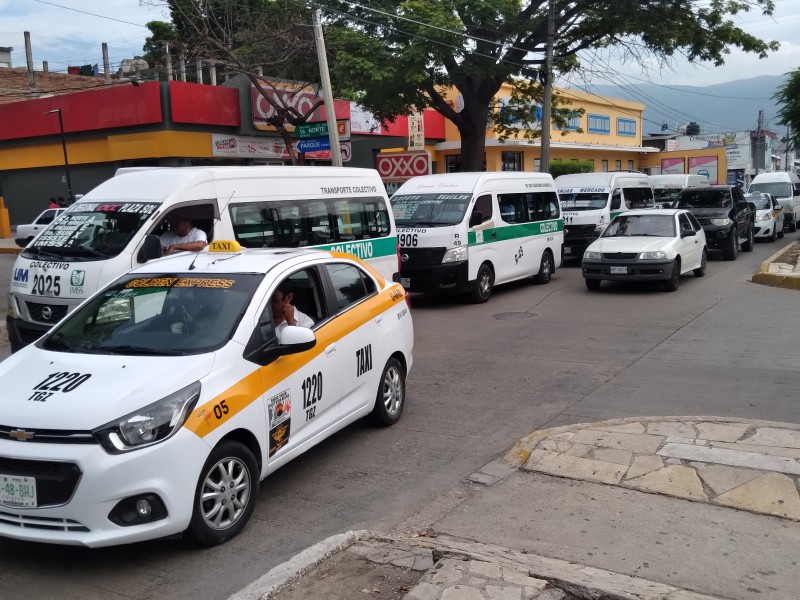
44 254
129 349
57 341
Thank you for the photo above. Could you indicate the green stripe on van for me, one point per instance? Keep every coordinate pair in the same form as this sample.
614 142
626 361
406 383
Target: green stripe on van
365 249
511 232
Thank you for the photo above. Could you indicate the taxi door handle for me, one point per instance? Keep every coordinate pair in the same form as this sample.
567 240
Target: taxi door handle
330 350
379 320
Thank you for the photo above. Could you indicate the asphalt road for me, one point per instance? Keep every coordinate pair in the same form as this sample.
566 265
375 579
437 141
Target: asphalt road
534 356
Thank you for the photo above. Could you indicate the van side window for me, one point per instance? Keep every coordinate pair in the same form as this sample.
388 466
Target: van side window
350 284
542 206
484 206
512 208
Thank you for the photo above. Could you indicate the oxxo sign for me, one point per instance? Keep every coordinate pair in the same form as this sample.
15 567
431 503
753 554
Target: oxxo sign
302 102
403 165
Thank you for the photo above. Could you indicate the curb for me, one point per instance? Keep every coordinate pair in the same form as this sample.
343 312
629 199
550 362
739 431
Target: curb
279 577
521 452
764 277
9 250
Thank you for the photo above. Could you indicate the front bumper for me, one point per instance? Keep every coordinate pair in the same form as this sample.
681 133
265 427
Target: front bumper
636 270
764 229
717 237
170 470
450 277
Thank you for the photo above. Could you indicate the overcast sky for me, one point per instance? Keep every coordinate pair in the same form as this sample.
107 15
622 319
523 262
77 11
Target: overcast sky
67 37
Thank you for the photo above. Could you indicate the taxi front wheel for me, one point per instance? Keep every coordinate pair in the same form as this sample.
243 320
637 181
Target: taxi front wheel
225 496
391 396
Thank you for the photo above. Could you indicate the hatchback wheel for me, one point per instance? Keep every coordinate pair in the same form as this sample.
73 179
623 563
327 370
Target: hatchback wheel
225 496
701 270
391 397
672 283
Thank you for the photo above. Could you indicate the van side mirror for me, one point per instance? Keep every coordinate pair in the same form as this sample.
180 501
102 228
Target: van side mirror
616 202
476 218
151 248
293 340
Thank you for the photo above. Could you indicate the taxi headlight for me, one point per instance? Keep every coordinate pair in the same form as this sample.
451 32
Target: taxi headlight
12 310
455 255
721 222
656 255
764 217
149 425
592 255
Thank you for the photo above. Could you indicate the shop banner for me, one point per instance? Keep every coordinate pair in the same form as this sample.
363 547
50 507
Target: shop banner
704 165
672 166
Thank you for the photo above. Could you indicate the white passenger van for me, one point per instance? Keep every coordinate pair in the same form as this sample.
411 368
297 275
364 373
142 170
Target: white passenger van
590 200
466 232
786 188
115 227
667 187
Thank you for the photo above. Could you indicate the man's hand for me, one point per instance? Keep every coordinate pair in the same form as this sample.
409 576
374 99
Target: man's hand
288 314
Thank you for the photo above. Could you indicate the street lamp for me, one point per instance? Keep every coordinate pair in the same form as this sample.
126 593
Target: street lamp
70 198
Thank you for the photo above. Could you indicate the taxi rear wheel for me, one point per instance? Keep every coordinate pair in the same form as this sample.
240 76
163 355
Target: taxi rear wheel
391 396
225 496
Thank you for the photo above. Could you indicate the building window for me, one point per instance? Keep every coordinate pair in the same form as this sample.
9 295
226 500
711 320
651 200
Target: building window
604 166
512 161
453 163
599 124
626 127
537 165
618 165
630 165
573 122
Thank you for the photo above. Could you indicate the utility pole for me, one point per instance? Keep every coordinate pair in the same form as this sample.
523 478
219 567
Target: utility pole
547 103
106 64
786 162
70 197
327 92
759 141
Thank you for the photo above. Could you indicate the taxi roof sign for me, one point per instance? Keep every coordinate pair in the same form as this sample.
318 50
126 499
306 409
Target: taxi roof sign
224 246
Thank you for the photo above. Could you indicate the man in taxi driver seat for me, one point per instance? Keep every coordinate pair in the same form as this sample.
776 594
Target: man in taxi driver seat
284 312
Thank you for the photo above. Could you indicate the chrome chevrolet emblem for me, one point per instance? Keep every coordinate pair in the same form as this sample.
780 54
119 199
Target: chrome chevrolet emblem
21 435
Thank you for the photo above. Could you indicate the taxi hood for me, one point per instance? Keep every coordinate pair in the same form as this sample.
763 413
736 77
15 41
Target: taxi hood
43 389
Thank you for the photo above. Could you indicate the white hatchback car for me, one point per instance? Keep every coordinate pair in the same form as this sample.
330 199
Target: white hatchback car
769 216
25 233
158 405
647 245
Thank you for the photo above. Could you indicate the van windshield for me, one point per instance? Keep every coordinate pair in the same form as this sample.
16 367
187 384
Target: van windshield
91 231
779 189
429 210
666 196
583 201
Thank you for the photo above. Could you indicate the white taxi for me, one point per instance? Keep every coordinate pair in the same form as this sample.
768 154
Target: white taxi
158 405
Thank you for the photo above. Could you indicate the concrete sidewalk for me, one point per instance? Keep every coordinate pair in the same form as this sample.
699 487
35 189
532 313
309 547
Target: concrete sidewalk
9 246
676 508
782 269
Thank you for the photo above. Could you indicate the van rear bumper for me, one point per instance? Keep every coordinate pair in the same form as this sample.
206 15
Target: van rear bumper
452 278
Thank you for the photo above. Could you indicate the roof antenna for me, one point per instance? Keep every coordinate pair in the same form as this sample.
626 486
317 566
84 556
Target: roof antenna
217 219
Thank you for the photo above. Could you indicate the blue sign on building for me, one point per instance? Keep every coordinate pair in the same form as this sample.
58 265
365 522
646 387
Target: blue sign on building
314 144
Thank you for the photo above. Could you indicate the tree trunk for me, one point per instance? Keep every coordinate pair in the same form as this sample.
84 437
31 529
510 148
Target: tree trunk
474 119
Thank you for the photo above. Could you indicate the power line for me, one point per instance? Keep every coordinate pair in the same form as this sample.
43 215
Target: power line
91 14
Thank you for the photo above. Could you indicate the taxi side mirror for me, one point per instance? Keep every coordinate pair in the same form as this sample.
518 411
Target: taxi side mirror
293 340
688 233
151 248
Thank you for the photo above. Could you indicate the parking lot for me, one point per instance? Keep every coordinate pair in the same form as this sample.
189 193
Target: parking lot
484 375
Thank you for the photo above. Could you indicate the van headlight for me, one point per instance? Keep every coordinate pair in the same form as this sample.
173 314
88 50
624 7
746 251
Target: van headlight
455 255
721 222
13 309
150 425
656 255
592 255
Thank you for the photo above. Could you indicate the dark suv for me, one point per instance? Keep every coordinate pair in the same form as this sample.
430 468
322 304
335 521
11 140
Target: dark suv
726 216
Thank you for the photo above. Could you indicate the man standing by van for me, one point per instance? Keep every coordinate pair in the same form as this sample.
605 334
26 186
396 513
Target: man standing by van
182 235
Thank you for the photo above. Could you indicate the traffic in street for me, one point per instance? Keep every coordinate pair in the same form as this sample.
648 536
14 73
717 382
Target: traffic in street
484 375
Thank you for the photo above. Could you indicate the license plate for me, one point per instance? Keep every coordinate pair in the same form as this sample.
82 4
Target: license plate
567 250
405 282
18 491
619 270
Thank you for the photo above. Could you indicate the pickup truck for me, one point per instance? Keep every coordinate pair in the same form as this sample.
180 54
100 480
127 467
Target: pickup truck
727 218
25 233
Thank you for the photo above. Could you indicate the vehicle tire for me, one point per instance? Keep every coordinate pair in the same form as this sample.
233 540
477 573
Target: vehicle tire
731 249
391 396
545 269
792 225
484 283
593 284
232 470
751 241
673 282
701 270
774 235
781 232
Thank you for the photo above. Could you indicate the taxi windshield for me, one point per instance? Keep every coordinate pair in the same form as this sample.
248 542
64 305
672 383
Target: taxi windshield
91 231
641 225
429 210
170 314
582 200
762 201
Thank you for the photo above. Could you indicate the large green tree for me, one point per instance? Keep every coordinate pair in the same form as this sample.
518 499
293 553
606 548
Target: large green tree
162 35
403 55
788 95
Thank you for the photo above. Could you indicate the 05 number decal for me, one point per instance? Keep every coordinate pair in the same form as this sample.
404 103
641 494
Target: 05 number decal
57 382
221 409
312 393
407 240
46 285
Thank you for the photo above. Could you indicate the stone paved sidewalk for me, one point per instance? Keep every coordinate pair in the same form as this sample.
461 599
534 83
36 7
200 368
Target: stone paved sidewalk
782 269
753 466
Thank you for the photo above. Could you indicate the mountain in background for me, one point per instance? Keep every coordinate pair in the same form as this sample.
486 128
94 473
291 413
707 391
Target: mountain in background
721 108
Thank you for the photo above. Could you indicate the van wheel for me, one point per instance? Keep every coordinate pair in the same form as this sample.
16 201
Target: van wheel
751 241
484 283
225 496
545 269
792 225
731 248
593 284
391 397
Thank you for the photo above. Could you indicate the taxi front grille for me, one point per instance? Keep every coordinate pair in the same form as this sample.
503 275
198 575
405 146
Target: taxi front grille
48 523
46 313
48 436
55 481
